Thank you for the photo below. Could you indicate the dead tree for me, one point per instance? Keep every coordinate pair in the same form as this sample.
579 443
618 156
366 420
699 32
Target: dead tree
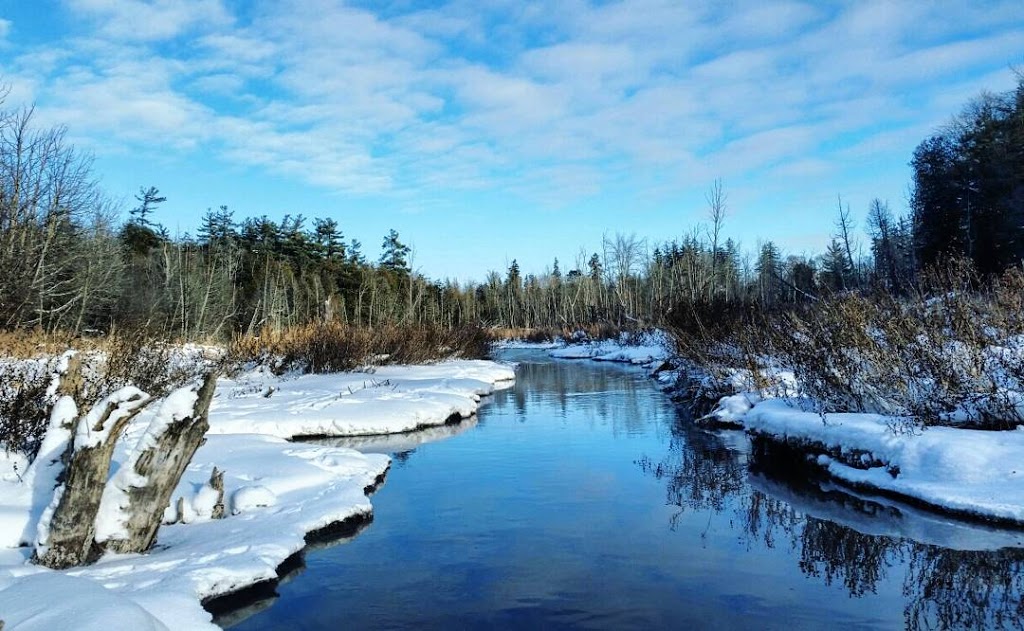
160 459
72 524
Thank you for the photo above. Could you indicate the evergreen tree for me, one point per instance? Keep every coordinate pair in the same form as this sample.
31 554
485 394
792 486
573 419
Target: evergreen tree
328 238
394 253
768 273
835 267
149 199
355 253
141 235
595 267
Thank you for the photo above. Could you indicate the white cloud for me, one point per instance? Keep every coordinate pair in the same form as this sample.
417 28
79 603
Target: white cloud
147 20
548 101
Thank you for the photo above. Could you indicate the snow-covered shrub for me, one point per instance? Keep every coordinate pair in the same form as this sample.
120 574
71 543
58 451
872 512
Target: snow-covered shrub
139 358
24 403
951 353
103 366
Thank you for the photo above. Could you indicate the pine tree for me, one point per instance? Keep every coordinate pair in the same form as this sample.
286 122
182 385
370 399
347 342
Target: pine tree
329 240
835 267
394 255
768 272
141 235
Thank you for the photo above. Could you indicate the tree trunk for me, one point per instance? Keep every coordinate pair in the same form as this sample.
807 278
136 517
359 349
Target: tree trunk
72 525
160 458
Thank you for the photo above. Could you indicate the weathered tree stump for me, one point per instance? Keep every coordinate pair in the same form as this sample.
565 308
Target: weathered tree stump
72 523
217 484
159 460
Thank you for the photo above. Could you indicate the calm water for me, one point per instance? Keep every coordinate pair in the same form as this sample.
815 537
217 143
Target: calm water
583 499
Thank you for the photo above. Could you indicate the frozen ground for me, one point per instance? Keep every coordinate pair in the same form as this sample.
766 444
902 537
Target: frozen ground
275 493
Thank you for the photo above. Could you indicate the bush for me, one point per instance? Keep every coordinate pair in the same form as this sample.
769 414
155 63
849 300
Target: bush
102 365
24 405
950 353
331 347
584 333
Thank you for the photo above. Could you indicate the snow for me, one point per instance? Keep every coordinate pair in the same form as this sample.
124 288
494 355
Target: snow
633 348
123 401
84 604
972 472
398 443
388 400
250 497
275 491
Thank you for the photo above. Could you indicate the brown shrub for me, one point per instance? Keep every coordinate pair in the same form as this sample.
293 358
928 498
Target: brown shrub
332 347
587 332
937 356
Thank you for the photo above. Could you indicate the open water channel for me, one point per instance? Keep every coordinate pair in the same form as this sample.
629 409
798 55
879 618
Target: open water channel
583 498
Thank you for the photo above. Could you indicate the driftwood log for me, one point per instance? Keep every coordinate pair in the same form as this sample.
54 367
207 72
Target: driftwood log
161 463
73 522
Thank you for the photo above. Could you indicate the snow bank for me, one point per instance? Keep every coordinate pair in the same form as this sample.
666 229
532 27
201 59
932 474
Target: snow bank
969 472
632 348
525 345
275 492
389 400
279 490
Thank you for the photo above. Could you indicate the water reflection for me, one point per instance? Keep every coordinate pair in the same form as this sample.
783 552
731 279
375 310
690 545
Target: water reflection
953 574
616 395
582 499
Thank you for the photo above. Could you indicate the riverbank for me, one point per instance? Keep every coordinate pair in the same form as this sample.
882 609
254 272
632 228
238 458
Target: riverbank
276 492
968 473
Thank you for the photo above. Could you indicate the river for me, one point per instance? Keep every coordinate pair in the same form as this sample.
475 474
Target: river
583 498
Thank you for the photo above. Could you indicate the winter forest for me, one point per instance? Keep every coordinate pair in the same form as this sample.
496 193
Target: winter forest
75 263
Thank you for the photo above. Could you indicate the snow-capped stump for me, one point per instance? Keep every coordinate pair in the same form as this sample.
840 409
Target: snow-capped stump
208 503
141 490
68 527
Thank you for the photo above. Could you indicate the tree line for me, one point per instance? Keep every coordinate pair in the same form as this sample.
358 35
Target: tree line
70 263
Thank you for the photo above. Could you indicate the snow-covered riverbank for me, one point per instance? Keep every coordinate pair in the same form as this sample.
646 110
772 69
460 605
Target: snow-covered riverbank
388 400
972 473
275 493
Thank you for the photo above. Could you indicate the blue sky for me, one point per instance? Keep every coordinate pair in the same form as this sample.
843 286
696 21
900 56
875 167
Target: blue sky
487 131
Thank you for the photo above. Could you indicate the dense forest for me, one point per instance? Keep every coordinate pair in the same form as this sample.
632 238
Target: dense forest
72 262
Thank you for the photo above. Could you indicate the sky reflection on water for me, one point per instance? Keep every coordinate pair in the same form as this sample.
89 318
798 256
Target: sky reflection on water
582 498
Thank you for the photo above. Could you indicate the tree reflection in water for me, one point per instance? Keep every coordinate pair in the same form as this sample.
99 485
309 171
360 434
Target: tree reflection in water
954 574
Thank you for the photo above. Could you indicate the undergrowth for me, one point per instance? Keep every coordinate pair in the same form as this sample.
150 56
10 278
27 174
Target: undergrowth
34 363
332 347
588 332
950 352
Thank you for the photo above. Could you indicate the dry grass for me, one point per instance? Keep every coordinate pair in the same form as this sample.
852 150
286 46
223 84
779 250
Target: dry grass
589 332
333 347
